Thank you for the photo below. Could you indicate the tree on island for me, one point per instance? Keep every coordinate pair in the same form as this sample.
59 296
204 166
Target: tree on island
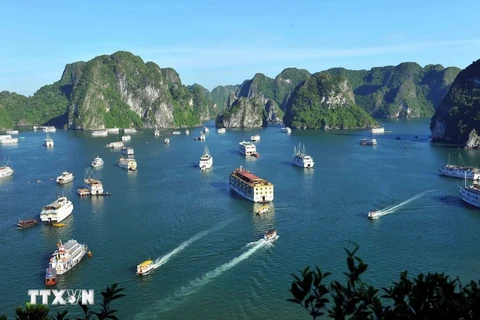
40 311
434 296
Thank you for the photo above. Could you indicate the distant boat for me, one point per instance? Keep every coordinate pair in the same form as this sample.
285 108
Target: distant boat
470 194
6 170
113 130
65 177
455 171
49 129
206 160
166 141
271 235
115 145
100 133
126 163
48 141
378 130
128 151
176 132
22 224
126 138
301 159
156 133
221 130
9 141
97 162
286 130
130 130
206 130
255 138
366 142
12 131
373 215
187 132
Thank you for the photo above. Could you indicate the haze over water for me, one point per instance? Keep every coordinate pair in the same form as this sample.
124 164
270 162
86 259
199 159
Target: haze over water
206 242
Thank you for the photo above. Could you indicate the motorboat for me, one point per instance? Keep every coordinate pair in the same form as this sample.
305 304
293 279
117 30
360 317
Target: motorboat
145 267
206 160
166 141
65 177
286 130
97 162
270 235
373 215
255 138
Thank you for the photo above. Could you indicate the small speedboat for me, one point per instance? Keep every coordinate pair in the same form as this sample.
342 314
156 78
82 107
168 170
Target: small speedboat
262 209
373 215
167 141
271 235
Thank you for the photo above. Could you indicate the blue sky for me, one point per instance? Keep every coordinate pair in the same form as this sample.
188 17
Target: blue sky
226 42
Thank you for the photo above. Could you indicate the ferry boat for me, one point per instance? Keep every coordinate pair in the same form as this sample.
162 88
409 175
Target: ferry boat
66 177
126 138
250 186
9 141
247 148
115 145
270 235
113 130
66 257
48 141
56 211
366 142
378 130
187 132
166 141
97 162
206 130
130 130
49 129
206 160
6 171
286 130
12 131
145 267
100 133
128 151
156 133
50 277
471 194
221 130
176 132
129 164
301 159
373 215
93 185
462 172
22 224
255 138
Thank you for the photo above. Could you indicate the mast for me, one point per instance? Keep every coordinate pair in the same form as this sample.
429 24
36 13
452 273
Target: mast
294 151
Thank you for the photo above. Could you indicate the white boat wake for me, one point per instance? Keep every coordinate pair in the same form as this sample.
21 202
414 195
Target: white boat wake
196 284
161 261
392 209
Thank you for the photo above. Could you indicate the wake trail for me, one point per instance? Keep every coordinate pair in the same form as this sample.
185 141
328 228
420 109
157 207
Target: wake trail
392 209
161 261
196 284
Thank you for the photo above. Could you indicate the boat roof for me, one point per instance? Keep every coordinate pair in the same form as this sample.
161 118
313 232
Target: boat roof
271 231
145 263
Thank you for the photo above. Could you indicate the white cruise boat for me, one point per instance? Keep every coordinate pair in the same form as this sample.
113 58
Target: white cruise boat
9 141
115 145
187 132
247 148
176 132
12 131
206 160
97 162
156 133
130 130
221 130
126 138
129 164
471 194
378 130
372 215
49 129
301 159
65 177
100 133
6 171
145 267
250 186
286 130
206 130
166 141
56 211
48 141
462 172
67 256
5 136
113 130
255 138
128 151
94 186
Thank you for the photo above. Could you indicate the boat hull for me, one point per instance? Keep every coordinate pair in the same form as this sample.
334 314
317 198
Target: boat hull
59 215
470 197
460 174
257 199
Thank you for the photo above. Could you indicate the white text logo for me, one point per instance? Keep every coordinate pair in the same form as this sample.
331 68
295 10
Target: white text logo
62 297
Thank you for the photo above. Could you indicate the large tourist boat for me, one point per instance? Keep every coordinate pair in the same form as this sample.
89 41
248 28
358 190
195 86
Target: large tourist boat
145 267
65 177
126 163
270 235
247 148
128 151
6 170
130 130
49 129
462 172
126 138
100 133
471 194
27 223
166 141
9 141
92 184
250 186
12 131
66 257
301 159
221 130
206 160
56 211
48 141
378 130
97 162
286 130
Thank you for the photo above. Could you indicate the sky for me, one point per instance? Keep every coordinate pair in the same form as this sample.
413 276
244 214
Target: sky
225 42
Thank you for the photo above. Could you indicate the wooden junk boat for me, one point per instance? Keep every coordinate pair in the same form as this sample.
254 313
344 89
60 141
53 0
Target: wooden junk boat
22 224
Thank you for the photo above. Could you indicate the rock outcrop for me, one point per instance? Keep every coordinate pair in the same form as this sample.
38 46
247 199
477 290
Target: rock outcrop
243 113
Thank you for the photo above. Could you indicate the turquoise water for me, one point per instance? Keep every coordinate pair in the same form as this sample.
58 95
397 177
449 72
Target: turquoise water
206 241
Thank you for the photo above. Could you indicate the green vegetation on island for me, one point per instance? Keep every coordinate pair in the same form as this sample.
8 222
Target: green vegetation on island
325 101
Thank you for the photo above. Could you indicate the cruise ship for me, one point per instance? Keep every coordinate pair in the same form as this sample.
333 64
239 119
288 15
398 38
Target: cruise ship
301 159
462 172
206 160
65 177
56 211
97 162
129 164
130 130
247 148
250 186
48 141
471 194
94 186
67 256
6 171
128 151
49 129
100 133
378 130
9 141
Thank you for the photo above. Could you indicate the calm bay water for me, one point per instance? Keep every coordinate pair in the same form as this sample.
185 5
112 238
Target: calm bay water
214 266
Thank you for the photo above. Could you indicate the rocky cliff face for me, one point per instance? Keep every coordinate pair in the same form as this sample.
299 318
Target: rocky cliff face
325 101
243 113
457 120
